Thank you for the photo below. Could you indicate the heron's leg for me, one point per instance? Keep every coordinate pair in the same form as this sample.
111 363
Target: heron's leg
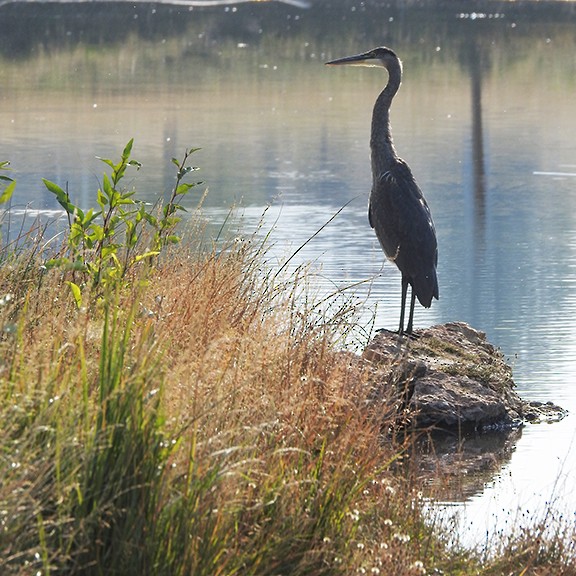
403 305
411 317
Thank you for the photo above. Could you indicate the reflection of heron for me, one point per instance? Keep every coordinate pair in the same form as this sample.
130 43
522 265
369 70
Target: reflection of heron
398 211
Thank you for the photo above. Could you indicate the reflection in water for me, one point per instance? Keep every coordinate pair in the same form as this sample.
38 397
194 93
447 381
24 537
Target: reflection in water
479 179
191 3
249 87
457 467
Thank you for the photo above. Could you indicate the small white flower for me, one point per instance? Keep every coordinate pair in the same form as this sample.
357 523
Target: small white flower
403 538
418 567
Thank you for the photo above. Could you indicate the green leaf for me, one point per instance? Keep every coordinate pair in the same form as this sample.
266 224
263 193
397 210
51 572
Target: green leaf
97 231
76 292
171 221
101 198
131 235
114 257
107 187
110 251
170 209
94 235
89 217
118 172
7 193
79 215
175 162
127 149
125 199
106 161
184 188
146 255
76 230
61 196
140 214
151 219
112 223
54 188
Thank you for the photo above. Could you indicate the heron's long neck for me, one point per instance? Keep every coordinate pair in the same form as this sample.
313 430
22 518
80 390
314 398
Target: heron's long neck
383 152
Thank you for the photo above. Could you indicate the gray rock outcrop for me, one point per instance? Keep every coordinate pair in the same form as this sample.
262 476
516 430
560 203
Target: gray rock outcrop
449 376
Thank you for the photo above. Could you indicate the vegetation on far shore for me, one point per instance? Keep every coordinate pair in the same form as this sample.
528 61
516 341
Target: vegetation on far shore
186 411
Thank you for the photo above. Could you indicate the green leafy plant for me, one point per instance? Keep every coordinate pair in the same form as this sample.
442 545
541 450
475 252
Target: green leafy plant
7 184
105 243
165 224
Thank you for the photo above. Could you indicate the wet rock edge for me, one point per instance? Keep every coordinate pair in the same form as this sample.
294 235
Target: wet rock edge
449 377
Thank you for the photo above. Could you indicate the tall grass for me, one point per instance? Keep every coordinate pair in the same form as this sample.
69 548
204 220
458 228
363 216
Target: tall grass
195 423
199 418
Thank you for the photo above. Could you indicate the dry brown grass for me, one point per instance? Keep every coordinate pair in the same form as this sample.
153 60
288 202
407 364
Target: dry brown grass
242 352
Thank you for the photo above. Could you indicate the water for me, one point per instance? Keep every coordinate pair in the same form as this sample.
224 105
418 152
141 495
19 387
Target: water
484 117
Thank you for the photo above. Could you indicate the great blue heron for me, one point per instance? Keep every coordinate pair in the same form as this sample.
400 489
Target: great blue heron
398 211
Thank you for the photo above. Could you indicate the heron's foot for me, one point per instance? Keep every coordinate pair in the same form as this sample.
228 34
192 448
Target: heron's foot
408 335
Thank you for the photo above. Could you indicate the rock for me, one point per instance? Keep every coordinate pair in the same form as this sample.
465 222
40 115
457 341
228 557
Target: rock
449 376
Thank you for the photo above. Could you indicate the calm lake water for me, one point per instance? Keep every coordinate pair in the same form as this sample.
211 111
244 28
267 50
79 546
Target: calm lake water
485 117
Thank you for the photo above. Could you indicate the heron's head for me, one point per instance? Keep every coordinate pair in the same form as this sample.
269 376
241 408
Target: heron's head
381 57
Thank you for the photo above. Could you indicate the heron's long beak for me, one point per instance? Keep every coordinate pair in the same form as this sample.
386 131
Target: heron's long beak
365 59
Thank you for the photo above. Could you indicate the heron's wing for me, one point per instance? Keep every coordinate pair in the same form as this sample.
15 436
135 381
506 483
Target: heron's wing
393 202
403 223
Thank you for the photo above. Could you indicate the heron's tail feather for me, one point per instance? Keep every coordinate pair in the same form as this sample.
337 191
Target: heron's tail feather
425 287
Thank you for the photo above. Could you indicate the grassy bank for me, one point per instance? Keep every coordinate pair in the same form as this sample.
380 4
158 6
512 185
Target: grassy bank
191 415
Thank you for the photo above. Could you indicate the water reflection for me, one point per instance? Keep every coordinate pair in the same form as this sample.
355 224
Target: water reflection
476 66
458 467
188 3
484 117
